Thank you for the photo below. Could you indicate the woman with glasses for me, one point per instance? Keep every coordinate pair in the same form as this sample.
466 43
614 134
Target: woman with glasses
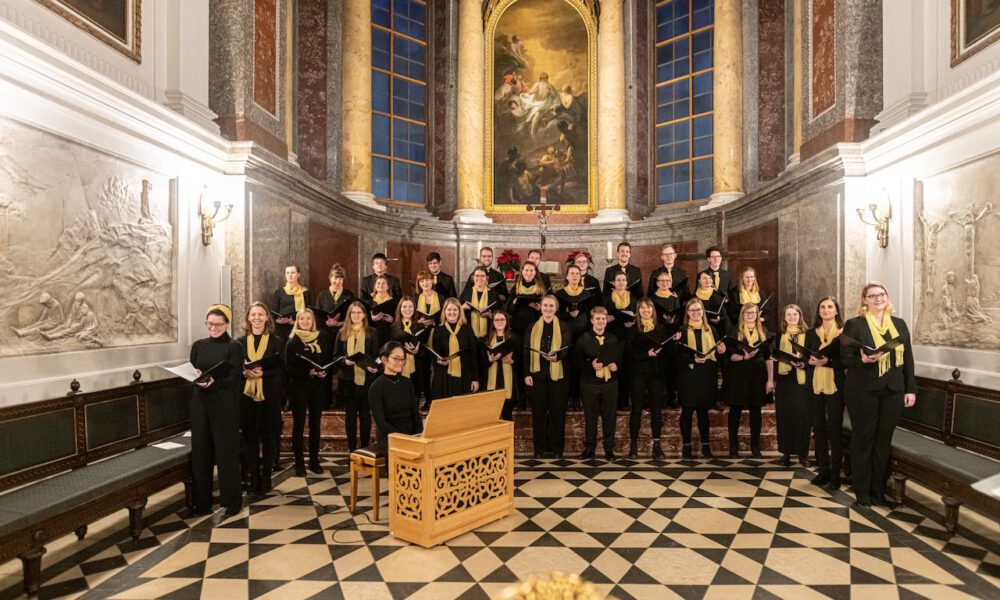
354 379
697 374
876 388
393 403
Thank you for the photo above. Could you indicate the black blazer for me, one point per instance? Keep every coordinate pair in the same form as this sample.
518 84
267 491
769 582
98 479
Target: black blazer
372 345
679 278
725 279
861 377
445 286
634 279
733 306
567 341
588 347
812 342
495 277
491 298
368 286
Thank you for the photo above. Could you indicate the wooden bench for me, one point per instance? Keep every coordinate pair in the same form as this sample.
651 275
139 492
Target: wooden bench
67 462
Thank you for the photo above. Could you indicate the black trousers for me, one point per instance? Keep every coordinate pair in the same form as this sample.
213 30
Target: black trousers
828 431
355 399
792 407
306 400
261 427
548 414
215 441
735 417
670 388
646 393
600 400
873 420
687 413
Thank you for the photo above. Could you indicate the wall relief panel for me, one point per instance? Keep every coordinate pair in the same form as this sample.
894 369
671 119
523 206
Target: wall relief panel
87 248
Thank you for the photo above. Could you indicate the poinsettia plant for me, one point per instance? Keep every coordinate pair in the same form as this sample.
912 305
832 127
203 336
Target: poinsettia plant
571 257
509 262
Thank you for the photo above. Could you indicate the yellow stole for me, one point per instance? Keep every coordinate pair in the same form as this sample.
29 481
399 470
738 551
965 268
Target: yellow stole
380 298
528 291
336 294
479 322
432 306
604 373
750 335
707 339
823 380
255 387
746 296
571 290
355 344
646 324
309 339
621 299
555 367
298 293
455 364
664 294
879 336
410 366
508 372
704 294
786 345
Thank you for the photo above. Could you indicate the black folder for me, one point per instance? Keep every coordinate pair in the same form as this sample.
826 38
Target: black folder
318 366
268 362
502 348
217 371
830 351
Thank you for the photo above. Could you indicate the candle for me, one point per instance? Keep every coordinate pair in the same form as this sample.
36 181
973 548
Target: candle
479 247
609 251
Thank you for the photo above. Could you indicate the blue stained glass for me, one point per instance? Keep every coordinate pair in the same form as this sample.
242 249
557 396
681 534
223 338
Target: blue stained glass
380 49
673 100
410 18
380 91
672 142
380 12
702 178
673 183
701 50
408 140
672 60
701 143
381 135
380 177
671 20
408 58
703 13
408 182
409 99
701 99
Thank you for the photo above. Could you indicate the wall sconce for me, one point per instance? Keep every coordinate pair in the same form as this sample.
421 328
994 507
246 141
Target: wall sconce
209 221
881 220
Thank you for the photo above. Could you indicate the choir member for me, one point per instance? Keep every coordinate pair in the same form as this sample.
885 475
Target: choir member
825 382
535 256
478 300
791 396
381 314
713 301
495 277
428 300
263 395
747 377
354 380
876 388
380 264
308 383
215 416
404 326
444 284
722 280
632 272
502 367
590 283
678 278
523 305
598 382
289 300
456 366
332 299
575 303
646 375
697 377
547 343
393 403
620 304
670 314
747 291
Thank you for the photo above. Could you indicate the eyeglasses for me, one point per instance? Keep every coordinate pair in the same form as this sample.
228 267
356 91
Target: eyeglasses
878 296
212 325
397 358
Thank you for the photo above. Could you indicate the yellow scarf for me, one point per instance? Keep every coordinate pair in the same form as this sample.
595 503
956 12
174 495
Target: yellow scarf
479 322
555 367
298 292
704 293
255 387
410 365
750 334
605 372
508 373
646 324
879 337
664 294
715 277
707 339
432 306
455 365
823 380
786 346
573 290
355 344
748 297
336 295
309 339
621 299
380 298
528 291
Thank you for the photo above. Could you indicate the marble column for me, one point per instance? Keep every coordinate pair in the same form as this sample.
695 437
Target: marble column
796 82
610 115
471 90
356 144
727 82
289 85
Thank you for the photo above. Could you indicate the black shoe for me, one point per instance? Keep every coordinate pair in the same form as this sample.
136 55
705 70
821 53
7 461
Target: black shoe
633 450
821 478
315 468
610 457
804 461
884 502
786 460
686 451
833 484
706 451
193 513
734 454
756 453
657 451
300 470
232 511
588 455
862 502
548 454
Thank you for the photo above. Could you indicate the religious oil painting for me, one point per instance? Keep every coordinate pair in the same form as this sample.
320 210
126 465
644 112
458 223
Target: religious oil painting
118 23
975 24
87 248
540 130
957 275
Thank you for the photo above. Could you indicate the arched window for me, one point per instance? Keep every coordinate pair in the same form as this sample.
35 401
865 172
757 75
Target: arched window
684 100
399 100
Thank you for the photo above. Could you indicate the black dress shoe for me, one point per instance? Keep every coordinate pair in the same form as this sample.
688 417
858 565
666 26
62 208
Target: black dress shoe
734 454
804 461
821 478
300 470
538 455
756 453
315 468
706 451
194 513
610 457
232 511
686 451
786 461
833 484
657 451
863 502
633 454
588 455
885 502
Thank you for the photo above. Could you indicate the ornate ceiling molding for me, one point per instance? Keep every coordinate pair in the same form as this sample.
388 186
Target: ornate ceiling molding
490 5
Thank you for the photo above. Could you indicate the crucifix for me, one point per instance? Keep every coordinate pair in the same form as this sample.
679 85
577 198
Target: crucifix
542 208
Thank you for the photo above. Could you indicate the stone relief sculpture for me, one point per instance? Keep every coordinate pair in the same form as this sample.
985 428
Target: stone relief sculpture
87 231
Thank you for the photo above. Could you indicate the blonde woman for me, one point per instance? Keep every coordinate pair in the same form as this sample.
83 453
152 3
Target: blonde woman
456 366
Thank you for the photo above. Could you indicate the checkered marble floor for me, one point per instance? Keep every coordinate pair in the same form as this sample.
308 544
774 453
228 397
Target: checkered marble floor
637 529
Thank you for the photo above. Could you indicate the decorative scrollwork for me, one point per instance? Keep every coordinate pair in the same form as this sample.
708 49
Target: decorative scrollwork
470 482
408 489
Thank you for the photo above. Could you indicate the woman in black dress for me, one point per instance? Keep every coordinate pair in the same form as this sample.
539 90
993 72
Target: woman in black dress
712 300
456 372
747 378
307 350
215 416
428 300
393 403
876 388
547 343
263 395
747 291
289 300
697 377
356 336
621 309
382 315
791 396
502 367
670 314
825 380
478 300
646 385
405 325
524 302
575 302
334 298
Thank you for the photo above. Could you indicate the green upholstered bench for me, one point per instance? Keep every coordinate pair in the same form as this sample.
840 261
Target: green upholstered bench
46 509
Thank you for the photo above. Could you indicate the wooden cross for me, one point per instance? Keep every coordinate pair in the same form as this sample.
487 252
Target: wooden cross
543 208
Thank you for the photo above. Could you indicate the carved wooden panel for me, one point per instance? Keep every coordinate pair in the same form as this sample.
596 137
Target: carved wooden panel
409 484
467 483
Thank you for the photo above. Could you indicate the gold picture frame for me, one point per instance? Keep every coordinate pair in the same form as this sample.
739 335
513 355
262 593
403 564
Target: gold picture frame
493 15
117 23
971 33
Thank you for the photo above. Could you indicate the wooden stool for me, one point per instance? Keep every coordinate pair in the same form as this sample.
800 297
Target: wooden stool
365 460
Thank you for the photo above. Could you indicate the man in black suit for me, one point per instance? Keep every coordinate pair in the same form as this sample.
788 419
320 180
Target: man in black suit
721 277
379 265
444 284
535 256
677 275
496 277
631 271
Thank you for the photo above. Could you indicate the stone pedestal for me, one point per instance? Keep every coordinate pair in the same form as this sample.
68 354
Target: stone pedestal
720 199
365 199
611 215
471 215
